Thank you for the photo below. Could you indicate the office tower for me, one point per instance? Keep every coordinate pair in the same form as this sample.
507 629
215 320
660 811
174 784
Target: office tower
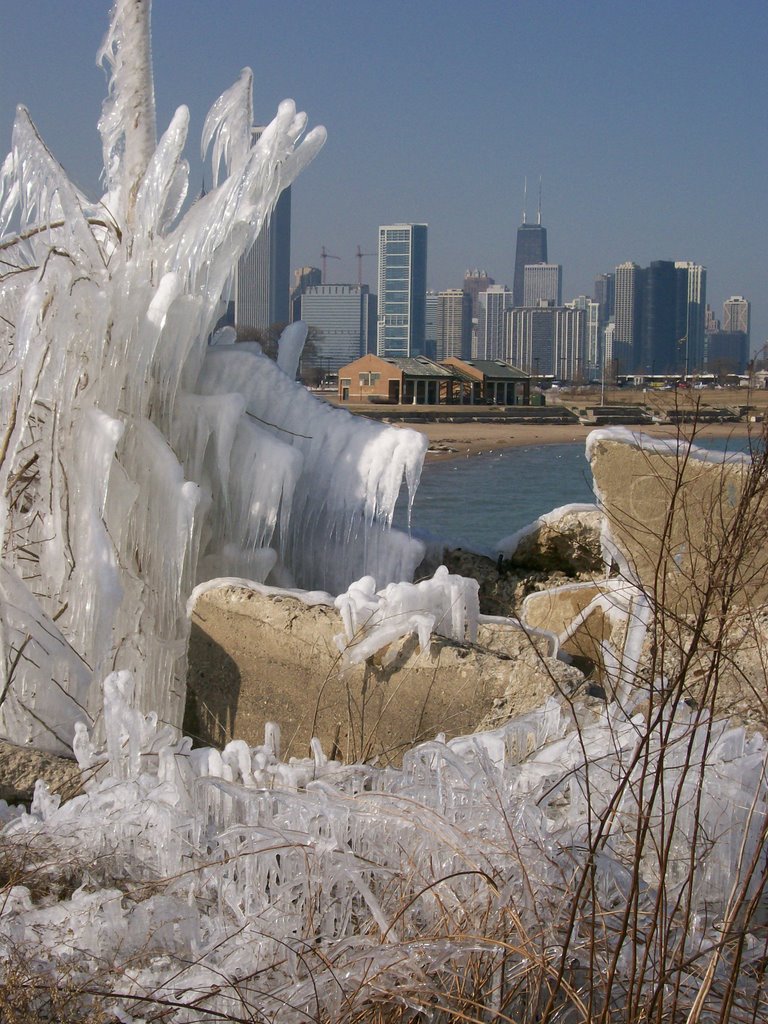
569 343
303 278
342 316
661 328
691 315
736 314
605 285
627 318
711 323
542 282
454 324
493 304
476 281
530 336
402 290
726 352
531 248
262 281
593 356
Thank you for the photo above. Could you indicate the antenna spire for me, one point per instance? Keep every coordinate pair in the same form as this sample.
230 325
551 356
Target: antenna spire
525 196
538 215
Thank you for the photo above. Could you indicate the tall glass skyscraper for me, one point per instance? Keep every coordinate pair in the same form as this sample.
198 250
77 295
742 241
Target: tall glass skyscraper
402 290
531 248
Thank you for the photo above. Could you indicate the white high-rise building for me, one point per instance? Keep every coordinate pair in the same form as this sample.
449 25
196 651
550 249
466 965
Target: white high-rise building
430 324
627 306
454 324
542 282
570 343
736 314
592 348
492 307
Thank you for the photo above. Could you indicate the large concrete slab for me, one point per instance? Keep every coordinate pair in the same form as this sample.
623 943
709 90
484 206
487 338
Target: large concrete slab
692 532
256 658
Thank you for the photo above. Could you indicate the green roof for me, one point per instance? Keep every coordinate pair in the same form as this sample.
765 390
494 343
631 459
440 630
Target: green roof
420 366
497 368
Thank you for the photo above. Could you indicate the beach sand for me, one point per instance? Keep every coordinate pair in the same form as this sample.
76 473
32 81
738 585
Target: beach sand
450 440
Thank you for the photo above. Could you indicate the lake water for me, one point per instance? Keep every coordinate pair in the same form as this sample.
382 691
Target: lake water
473 502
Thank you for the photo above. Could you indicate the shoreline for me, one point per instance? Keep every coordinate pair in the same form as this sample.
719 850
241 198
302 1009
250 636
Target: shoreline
459 440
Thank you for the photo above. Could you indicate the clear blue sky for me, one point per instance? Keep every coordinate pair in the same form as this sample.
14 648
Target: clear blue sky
646 120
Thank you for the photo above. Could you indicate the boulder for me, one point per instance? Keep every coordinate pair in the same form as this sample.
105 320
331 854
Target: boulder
256 659
566 540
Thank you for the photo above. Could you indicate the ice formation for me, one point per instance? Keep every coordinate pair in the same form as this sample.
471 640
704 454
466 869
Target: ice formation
231 882
137 459
555 868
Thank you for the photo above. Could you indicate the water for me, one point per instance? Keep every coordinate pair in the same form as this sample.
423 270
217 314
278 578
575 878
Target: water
474 502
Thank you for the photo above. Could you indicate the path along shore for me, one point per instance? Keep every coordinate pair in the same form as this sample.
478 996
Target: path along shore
451 440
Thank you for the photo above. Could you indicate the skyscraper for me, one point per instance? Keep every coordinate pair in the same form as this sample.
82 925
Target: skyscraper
736 314
605 285
530 336
476 281
431 303
727 351
662 327
692 292
402 289
591 367
454 324
628 307
342 315
262 280
569 343
491 338
303 278
542 282
531 248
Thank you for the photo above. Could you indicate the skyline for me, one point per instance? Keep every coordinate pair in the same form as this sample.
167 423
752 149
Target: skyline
636 119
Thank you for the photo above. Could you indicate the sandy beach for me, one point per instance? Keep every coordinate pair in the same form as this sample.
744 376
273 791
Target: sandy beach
449 440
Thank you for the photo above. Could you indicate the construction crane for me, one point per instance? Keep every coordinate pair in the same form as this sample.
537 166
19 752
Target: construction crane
359 257
325 256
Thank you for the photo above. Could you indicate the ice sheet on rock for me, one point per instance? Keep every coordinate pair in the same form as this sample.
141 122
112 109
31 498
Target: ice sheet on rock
446 604
308 597
339 519
677 446
508 545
